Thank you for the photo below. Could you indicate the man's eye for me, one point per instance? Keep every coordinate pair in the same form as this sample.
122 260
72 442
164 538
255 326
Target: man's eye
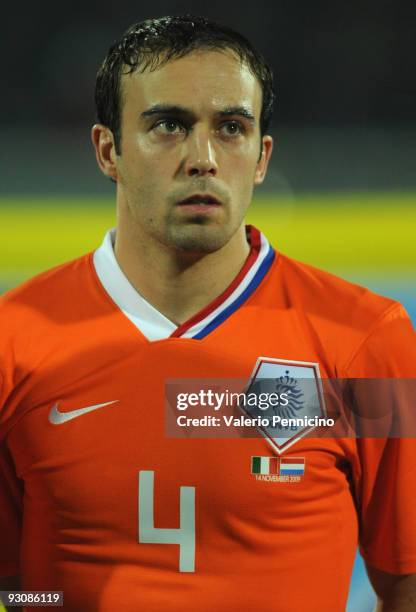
232 128
169 126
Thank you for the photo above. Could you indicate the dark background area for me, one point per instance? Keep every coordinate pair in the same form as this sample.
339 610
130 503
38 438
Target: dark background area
345 74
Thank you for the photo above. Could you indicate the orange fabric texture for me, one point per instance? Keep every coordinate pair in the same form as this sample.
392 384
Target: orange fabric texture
69 492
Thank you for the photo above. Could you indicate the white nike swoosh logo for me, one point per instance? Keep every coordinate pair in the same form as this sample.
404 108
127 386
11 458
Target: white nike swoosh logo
57 418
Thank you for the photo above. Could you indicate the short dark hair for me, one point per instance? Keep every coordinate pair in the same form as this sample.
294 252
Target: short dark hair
153 42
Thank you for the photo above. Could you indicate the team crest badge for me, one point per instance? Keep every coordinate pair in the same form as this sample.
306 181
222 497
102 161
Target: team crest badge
297 387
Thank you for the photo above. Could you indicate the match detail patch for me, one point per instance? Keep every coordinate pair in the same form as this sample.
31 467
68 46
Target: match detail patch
278 469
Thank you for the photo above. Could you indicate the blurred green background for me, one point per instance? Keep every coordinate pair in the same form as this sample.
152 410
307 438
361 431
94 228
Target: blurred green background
368 238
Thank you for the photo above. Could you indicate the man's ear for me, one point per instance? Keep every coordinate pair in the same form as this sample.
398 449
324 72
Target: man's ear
105 150
262 164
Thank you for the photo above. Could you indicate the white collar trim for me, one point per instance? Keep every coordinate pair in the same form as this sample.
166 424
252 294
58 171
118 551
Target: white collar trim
152 323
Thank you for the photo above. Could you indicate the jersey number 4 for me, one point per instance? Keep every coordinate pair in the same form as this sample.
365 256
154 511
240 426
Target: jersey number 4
184 536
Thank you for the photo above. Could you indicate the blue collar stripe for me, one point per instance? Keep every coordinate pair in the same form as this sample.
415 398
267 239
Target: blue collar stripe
227 312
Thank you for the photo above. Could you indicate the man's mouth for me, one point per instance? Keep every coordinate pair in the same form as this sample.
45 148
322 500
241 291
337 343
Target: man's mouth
201 200
200 203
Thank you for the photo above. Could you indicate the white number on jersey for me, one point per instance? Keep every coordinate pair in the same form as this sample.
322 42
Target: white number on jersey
184 536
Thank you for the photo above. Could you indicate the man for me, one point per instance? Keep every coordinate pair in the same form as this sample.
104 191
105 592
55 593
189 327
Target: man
96 500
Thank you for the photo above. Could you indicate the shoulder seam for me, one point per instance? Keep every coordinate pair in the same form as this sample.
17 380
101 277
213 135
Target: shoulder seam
378 321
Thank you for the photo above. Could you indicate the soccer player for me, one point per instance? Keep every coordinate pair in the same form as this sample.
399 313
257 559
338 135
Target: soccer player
96 500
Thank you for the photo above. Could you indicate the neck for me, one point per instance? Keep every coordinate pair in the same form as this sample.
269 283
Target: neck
177 284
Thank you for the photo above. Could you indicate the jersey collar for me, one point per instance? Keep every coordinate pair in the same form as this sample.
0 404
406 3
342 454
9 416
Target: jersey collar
152 323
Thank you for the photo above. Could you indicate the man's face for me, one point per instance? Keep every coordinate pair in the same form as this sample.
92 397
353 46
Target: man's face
190 132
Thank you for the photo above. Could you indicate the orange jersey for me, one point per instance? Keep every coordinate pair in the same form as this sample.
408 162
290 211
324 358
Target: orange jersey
96 499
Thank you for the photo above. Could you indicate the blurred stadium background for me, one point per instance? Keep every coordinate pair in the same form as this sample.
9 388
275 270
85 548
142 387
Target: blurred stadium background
341 192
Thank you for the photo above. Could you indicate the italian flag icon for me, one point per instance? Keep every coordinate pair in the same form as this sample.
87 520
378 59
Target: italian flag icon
264 465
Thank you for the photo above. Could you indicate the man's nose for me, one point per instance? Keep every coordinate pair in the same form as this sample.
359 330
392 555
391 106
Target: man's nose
200 157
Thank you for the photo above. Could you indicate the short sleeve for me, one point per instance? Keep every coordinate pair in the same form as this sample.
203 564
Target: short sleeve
386 482
387 504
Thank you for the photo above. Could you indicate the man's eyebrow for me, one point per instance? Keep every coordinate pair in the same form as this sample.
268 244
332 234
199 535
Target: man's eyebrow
181 111
242 111
166 109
